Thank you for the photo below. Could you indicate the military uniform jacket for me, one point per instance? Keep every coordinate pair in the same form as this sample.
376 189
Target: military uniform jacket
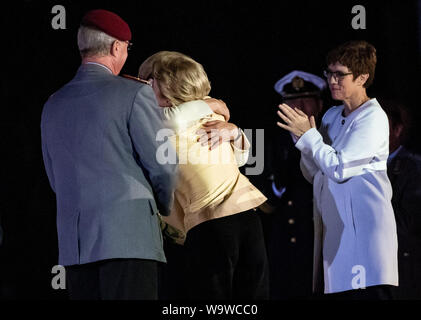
99 148
404 172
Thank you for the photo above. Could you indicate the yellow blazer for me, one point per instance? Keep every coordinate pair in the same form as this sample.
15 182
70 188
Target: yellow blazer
209 183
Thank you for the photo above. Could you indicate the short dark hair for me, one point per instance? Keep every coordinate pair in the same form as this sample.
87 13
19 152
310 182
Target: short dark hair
358 56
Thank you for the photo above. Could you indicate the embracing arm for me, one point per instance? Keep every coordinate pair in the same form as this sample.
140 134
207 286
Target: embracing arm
203 107
241 148
218 106
213 132
216 132
144 124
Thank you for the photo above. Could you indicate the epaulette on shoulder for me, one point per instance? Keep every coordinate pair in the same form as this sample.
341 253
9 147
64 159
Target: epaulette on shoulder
135 79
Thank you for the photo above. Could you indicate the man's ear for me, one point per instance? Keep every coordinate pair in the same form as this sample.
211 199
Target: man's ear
115 46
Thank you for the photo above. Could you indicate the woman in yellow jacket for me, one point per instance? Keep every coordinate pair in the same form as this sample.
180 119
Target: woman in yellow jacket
214 203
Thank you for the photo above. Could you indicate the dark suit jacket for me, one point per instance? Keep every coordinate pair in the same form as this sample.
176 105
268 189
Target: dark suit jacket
99 148
404 172
289 228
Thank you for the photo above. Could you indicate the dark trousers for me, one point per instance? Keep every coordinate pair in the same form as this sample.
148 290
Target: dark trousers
115 279
227 259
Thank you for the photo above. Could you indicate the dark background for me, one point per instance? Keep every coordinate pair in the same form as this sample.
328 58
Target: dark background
245 48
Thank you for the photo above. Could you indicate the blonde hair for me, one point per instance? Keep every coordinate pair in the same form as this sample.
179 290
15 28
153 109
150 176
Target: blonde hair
179 77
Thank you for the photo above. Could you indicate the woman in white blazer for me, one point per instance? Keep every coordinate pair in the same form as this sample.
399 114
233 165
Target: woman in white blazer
355 231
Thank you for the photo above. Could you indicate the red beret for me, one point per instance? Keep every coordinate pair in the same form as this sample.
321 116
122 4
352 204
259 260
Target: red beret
108 22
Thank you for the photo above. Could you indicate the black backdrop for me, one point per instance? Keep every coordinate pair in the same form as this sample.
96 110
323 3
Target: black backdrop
244 46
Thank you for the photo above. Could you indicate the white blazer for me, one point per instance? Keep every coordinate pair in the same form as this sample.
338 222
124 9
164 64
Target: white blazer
355 229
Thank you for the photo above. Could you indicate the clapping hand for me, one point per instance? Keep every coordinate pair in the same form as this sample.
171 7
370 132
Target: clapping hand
296 121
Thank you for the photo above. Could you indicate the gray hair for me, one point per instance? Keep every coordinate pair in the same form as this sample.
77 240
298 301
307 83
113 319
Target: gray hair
93 42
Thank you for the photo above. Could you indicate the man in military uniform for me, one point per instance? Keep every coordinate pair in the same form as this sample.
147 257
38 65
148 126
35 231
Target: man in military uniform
289 224
99 146
404 171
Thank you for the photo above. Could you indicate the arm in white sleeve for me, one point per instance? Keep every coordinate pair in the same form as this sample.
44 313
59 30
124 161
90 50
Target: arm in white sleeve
241 149
365 139
308 167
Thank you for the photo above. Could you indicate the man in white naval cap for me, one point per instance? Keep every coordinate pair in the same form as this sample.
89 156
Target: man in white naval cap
290 225
302 90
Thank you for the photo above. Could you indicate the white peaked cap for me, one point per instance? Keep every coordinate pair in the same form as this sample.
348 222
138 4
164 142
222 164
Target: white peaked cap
317 81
